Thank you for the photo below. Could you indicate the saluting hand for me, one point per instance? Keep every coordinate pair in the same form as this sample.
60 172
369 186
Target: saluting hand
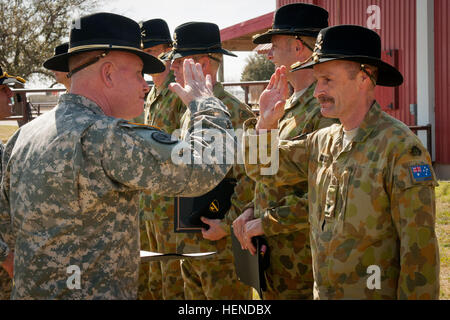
272 100
196 85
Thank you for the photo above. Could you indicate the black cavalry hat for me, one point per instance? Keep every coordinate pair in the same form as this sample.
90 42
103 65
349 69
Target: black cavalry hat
352 43
154 32
196 38
299 19
104 31
5 78
62 48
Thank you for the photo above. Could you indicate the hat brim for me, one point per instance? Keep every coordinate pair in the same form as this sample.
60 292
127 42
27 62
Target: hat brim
61 62
174 54
151 43
266 37
388 76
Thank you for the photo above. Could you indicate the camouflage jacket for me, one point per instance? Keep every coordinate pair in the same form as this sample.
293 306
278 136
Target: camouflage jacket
4 250
163 110
371 209
243 192
71 183
284 209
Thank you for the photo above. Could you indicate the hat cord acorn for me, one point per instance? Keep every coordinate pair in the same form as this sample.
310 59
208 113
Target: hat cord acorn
87 64
6 75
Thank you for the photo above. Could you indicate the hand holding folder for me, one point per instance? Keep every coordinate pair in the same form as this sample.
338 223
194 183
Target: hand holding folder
250 269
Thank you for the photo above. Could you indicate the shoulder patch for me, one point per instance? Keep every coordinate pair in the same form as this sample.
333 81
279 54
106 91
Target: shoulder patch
415 151
138 125
421 172
163 137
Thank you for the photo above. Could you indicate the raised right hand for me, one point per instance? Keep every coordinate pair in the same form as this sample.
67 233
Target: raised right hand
196 85
272 100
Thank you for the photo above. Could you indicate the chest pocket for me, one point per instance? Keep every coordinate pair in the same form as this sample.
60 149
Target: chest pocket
337 193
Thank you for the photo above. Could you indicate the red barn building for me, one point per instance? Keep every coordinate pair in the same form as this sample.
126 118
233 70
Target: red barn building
415 38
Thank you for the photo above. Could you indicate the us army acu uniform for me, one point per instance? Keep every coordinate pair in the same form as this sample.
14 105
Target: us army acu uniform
5 280
367 208
164 110
72 190
215 278
284 211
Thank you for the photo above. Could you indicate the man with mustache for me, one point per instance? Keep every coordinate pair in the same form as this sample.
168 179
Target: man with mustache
370 180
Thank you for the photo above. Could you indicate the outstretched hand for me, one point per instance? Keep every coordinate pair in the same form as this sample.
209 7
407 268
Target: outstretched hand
272 100
196 85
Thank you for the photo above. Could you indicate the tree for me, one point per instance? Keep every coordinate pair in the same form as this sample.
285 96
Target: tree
31 29
258 68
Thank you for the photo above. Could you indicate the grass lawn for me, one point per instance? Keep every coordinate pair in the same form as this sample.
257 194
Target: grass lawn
442 222
443 233
6 132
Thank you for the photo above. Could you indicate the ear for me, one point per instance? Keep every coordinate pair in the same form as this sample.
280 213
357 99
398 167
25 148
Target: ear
106 73
299 49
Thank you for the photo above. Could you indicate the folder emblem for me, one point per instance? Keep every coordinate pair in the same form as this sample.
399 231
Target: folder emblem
214 206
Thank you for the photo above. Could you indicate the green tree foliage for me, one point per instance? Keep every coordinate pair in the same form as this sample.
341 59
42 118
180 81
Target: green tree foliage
31 29
258 68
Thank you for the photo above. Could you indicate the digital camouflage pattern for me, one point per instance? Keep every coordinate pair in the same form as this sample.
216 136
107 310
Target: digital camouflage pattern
365 209
164 110
215 278
71 187
150 284
5 280
284 211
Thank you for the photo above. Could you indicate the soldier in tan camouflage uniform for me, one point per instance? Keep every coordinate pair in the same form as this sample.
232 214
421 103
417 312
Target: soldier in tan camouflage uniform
213 278
72 177
6 256
370 180
163 109
281 213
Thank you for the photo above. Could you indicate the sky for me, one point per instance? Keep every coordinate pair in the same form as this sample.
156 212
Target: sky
224 13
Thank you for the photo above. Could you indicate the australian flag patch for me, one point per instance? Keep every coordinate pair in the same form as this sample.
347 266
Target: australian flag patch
421 172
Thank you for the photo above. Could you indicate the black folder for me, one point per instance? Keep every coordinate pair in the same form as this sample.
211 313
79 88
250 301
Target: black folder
212 205
250 269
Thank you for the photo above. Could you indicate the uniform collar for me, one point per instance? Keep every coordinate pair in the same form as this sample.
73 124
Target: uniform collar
219 91
69 98
369 123
307 94
165 86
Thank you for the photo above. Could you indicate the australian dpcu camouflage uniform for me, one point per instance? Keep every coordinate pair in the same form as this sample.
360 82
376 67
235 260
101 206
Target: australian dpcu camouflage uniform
5 280
372 213
164 110
72 179
284 211
215 278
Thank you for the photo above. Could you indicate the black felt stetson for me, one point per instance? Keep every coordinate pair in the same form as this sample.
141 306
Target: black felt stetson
62 48
154 32
5 78
352 43
299 19
104 31
197 38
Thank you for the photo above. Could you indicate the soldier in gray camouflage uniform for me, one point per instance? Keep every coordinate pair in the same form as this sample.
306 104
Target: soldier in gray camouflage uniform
72 176
6 256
